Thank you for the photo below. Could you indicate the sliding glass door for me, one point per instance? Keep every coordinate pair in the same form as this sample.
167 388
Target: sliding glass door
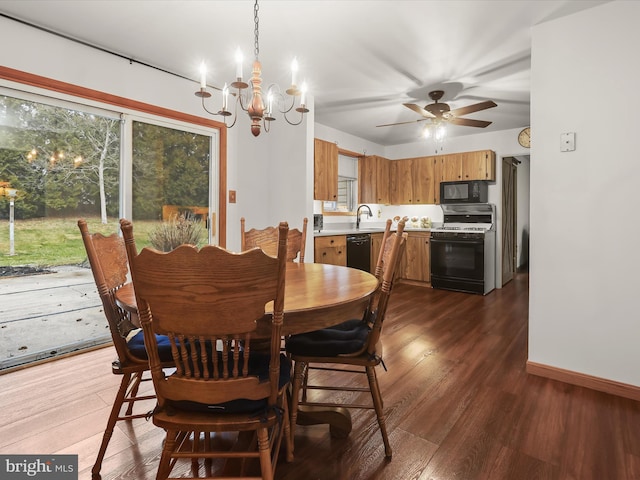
61 161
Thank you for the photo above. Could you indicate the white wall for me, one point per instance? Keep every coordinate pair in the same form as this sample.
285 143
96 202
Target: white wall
583 313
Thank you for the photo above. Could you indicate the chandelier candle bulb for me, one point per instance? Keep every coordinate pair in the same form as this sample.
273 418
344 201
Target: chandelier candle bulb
225 96
303 97
203 76
238 64
294 71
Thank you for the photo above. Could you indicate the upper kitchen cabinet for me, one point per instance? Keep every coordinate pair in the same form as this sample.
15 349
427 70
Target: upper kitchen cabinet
373 179
401 184
424 183
449 167
325 170
480 165
413 181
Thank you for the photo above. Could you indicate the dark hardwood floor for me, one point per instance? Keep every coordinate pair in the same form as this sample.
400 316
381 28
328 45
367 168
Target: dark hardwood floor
459 405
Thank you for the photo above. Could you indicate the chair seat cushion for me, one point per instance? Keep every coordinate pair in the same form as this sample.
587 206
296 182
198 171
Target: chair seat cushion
347 337
258 365
136 347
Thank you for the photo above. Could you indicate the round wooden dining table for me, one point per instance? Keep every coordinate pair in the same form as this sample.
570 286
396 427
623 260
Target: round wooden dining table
316 296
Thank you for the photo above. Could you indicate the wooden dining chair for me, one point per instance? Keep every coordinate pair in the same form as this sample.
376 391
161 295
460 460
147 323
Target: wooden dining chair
108 259
267 240
209 303
353 343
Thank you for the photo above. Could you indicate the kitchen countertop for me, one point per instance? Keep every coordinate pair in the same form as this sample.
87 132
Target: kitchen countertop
353 231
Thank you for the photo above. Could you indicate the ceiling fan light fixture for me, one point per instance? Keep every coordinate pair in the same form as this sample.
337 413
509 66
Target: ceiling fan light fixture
436 131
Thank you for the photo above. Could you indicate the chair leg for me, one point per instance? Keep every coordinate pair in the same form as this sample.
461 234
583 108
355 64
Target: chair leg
288 438
378 405
298 374
111 423
135 385
265 454
170 443
195 448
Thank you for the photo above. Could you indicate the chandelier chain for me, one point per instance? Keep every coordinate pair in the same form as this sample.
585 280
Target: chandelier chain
256 20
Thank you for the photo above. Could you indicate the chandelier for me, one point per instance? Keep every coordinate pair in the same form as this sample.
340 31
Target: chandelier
251 101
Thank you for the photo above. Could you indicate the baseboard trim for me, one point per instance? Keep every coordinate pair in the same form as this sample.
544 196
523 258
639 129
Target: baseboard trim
580 379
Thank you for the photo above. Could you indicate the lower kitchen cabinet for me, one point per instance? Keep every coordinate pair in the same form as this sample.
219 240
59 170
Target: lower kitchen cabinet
415 265
331 249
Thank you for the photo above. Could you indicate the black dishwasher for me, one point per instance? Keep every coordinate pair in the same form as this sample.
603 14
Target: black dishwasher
359 251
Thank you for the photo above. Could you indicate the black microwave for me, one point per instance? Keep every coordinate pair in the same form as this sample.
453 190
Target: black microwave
469 191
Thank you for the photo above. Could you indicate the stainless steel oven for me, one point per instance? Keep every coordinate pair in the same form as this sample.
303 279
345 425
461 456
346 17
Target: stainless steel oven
463 249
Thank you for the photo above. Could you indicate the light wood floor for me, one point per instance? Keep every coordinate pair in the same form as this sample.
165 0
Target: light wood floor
458 400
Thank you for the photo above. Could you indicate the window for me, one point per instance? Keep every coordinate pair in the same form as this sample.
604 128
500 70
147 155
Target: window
171 176
347 187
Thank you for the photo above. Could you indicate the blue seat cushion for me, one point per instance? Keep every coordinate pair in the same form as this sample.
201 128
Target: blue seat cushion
137 349
347 337
258 365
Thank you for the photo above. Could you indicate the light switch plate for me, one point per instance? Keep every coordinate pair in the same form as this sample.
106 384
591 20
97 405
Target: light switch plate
568 142
232 196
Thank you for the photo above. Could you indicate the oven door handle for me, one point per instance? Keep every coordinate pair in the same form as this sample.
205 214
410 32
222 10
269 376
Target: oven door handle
476 241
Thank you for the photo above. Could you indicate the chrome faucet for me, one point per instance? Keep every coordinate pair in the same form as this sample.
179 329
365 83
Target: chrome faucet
369 215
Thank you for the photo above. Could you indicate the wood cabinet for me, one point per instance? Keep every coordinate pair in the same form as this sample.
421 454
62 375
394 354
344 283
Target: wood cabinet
424 182
401 184
413 181
415 265
373 179
325 170
480 165
449 167
409 181
331 249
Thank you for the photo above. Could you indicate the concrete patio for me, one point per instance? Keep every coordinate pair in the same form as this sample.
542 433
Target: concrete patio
49 314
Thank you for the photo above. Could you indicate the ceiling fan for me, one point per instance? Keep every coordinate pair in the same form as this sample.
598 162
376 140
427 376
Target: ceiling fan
440 111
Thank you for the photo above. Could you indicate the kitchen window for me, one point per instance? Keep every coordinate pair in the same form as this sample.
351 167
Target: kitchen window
347 187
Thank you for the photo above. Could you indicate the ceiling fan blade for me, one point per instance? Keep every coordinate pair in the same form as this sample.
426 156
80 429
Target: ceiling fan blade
468 122
420 110
402 123
458 112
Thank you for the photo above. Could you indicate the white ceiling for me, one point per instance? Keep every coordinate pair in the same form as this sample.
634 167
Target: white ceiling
361 59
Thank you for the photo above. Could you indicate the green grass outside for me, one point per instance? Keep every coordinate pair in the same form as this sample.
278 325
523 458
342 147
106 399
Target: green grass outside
57 241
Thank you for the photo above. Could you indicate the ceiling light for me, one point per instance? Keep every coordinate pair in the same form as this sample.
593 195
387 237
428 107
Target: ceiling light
252 101
437 131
